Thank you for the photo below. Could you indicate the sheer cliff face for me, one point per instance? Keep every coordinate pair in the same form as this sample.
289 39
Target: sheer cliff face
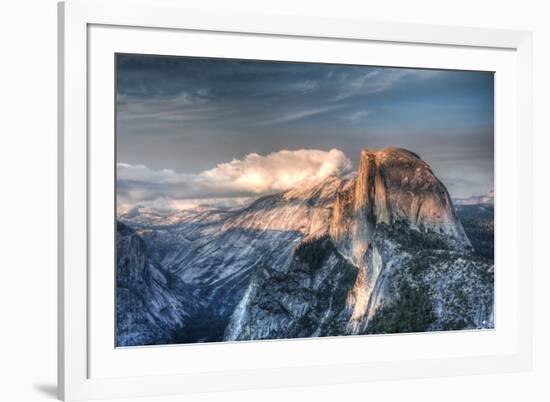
344 257
393 187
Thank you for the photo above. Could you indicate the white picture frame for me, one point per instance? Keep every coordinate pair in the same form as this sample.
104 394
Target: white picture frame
88 368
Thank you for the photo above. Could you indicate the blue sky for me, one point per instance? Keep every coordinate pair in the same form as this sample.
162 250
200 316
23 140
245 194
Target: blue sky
189 115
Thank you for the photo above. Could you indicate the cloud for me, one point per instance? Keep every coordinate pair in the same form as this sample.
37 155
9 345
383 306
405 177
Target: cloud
186 106
356 116
230 182
379 80
299 115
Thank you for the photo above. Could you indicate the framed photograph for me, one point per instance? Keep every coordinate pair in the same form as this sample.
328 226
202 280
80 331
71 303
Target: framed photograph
253 201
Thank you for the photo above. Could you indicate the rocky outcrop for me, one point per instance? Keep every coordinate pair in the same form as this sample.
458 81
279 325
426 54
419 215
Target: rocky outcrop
151 304
309 302
393 187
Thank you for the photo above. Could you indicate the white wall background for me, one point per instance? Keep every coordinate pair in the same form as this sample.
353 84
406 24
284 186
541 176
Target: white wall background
28 198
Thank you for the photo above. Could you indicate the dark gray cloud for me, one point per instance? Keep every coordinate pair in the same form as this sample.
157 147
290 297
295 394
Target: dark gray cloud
191 114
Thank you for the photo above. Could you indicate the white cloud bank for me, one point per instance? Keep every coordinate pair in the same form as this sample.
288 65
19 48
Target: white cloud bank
254 175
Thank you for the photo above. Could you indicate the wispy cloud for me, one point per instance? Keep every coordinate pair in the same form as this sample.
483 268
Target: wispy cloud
356 116
299 115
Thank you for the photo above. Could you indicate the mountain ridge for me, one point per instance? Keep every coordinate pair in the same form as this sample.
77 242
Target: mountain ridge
325 260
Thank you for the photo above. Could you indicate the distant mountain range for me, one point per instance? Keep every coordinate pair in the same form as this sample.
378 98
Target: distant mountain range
379 251
488 198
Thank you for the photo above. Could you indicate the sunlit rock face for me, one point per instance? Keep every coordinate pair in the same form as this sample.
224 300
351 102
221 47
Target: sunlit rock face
393 187
378 251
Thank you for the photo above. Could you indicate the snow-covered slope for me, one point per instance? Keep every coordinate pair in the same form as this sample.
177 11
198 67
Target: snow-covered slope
325 260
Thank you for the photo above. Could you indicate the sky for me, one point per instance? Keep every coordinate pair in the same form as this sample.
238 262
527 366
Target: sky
195 131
